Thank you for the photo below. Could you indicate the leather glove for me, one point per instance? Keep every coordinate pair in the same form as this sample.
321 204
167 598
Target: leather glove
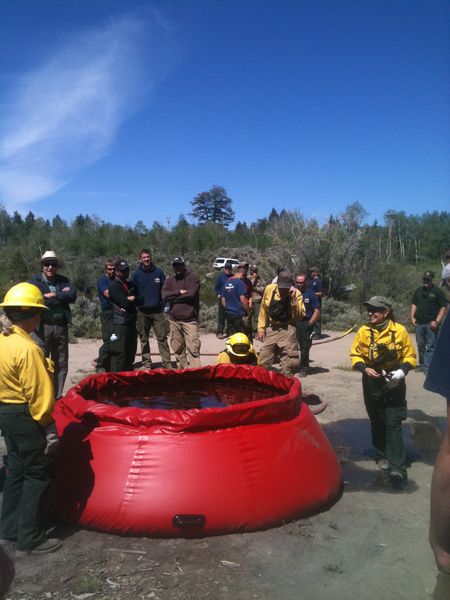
397 375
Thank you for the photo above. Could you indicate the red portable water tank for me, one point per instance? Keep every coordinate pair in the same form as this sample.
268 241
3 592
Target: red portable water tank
184 472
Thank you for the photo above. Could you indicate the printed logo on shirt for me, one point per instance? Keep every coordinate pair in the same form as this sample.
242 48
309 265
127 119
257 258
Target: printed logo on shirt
157 279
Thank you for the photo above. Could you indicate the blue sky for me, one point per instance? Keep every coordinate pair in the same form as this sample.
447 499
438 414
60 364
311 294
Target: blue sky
128 109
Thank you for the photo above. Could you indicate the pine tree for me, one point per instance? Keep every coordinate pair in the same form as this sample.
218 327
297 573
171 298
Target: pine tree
213 206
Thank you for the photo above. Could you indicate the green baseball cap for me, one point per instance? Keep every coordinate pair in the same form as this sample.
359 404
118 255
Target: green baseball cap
378 302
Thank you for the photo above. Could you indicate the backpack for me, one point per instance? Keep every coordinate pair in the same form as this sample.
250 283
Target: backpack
280 310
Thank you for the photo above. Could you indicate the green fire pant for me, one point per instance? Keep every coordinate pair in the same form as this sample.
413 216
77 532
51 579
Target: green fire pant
387 409
27 477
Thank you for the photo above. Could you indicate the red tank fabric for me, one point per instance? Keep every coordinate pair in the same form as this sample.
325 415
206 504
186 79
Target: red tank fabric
243 467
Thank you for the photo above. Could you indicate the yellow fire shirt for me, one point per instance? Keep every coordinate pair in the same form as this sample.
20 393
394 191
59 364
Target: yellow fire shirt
25 375
370 346
297 306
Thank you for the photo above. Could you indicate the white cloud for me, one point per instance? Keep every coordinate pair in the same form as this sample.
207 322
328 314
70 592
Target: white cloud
66 114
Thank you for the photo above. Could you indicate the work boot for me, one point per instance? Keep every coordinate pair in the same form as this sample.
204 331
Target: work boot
47 546
396 480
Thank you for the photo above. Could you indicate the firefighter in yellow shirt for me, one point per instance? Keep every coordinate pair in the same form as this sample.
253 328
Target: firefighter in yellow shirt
281 308
26 403
238 351
384 353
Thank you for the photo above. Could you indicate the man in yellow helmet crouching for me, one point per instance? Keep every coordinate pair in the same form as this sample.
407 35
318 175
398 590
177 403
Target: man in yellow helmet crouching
238 351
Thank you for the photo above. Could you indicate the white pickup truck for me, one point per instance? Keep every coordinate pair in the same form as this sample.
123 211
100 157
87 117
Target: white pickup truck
219 263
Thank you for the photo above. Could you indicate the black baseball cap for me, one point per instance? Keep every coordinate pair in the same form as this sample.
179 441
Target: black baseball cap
121 265
428 276
178 261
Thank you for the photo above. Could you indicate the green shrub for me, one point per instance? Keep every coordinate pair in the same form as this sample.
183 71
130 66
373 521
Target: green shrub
339 315
85 318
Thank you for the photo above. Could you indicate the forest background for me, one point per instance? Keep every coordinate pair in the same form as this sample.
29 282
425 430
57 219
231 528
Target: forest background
356 259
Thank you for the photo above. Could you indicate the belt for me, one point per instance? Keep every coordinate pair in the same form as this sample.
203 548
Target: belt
279 327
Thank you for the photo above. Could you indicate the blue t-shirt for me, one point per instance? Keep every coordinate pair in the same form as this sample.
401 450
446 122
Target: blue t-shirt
220 281
311 302
103 285
233 289
316 285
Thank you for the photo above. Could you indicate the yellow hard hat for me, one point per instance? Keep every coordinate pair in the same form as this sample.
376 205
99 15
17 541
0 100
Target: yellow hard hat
239 345
24 295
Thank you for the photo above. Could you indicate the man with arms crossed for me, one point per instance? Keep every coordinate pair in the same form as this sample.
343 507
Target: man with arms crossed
182 292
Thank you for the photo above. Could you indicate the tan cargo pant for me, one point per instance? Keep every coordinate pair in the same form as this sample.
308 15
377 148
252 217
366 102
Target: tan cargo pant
185 343
280 342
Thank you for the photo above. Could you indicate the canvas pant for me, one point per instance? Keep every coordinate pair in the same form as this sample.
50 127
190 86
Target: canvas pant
280 342
104 352
56 342
387 409
304 338
426 340
27 477
123 349
185 343
256 307
235 324
145 321
220 317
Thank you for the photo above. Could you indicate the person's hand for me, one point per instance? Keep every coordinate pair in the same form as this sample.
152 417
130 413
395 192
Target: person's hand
261 336
131 298
372 373
50 295
413 321
183 291
66 289
434 325
397 375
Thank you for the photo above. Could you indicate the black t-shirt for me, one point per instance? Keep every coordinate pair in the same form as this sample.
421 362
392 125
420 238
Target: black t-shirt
429 302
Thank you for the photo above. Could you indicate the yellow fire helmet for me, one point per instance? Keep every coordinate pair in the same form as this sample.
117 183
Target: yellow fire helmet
239 345
24 295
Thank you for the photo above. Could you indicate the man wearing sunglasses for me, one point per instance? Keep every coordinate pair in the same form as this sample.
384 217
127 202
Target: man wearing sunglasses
54 328
106 317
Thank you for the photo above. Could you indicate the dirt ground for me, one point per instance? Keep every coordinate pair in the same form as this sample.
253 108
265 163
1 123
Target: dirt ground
371 544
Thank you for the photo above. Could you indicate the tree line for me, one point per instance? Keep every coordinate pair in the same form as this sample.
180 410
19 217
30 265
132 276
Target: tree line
356 259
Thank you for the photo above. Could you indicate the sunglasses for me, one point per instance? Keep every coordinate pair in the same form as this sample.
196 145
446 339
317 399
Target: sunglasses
48 265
